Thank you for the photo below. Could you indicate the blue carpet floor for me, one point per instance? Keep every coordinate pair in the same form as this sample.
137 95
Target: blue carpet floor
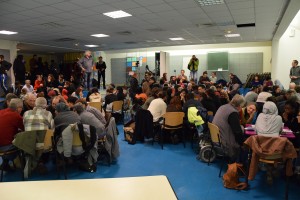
190 178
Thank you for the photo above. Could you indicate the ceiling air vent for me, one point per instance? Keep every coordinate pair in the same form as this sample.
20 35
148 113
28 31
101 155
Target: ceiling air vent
64 40
125 33
228 23
52 25
130 42
245 25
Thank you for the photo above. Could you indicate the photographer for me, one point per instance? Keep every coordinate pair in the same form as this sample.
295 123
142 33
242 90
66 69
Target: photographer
193 67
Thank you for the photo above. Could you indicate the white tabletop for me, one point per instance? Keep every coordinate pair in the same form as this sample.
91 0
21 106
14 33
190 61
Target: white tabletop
131 188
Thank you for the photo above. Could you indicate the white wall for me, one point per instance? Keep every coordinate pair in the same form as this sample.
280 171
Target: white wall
253 47
284 51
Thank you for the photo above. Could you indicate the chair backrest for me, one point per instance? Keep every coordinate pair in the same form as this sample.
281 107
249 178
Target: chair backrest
76 139
210 113
173 120
48 139
97 105
214 132
117 106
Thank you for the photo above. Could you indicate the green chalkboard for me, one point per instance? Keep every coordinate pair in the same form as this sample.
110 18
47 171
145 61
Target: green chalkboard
217 61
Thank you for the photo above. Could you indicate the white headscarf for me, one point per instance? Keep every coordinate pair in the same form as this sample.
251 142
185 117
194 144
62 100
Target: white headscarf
269 122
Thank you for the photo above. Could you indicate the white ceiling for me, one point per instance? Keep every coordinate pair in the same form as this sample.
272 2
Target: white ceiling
152 23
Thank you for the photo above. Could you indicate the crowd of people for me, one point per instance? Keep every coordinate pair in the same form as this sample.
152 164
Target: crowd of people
53 101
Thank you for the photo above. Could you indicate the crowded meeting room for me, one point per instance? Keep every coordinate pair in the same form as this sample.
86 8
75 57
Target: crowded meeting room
150 99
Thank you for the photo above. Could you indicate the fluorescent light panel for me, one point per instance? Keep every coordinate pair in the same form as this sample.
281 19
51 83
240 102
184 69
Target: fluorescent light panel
91 45
4 32
232 35
209 2
100 35
176 39
117 14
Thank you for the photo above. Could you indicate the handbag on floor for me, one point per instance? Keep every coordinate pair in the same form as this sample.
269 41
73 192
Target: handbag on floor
231 177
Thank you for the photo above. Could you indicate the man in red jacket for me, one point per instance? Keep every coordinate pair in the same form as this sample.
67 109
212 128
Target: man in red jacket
10 124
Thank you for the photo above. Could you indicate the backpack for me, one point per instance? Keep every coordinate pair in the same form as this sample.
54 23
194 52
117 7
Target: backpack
202 112
231 177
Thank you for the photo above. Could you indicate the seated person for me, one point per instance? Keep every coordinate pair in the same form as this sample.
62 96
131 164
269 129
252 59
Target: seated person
158 107
64 116
269 123
248 114
28 103
233 80
10 124
39 83
291 110
252 95
38 118
120 93
90 119
175 105
92 110
163 79
94 96
51 83
234 90
190 102
172 80
213 78
268 82
182 78
256 82
78 93
108 99
140 94
204 79
231 132
153 95
28 87
8 98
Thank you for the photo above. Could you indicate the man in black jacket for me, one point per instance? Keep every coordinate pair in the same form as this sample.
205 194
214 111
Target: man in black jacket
101 66
4 67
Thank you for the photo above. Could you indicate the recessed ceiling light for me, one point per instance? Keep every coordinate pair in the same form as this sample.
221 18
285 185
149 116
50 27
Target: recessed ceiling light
7 32
177 38
100 35
232 35
209 2
117 14
91 45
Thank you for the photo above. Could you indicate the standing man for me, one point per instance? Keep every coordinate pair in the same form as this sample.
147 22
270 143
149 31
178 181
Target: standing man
295 72
86 63
4 67
134 84
33 63
101 66
193 67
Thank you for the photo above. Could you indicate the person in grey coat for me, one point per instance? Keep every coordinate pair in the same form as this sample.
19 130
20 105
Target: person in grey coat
90 119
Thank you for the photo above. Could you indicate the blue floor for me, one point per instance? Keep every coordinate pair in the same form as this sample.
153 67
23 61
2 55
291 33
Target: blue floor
190 178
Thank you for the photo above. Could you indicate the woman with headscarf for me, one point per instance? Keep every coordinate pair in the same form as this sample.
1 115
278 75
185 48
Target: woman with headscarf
269 123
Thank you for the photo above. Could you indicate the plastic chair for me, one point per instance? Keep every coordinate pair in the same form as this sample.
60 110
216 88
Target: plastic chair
97 105
117 110
215 139
271 158
172 121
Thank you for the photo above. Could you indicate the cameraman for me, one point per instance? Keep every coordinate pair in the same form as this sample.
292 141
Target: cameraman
193 67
